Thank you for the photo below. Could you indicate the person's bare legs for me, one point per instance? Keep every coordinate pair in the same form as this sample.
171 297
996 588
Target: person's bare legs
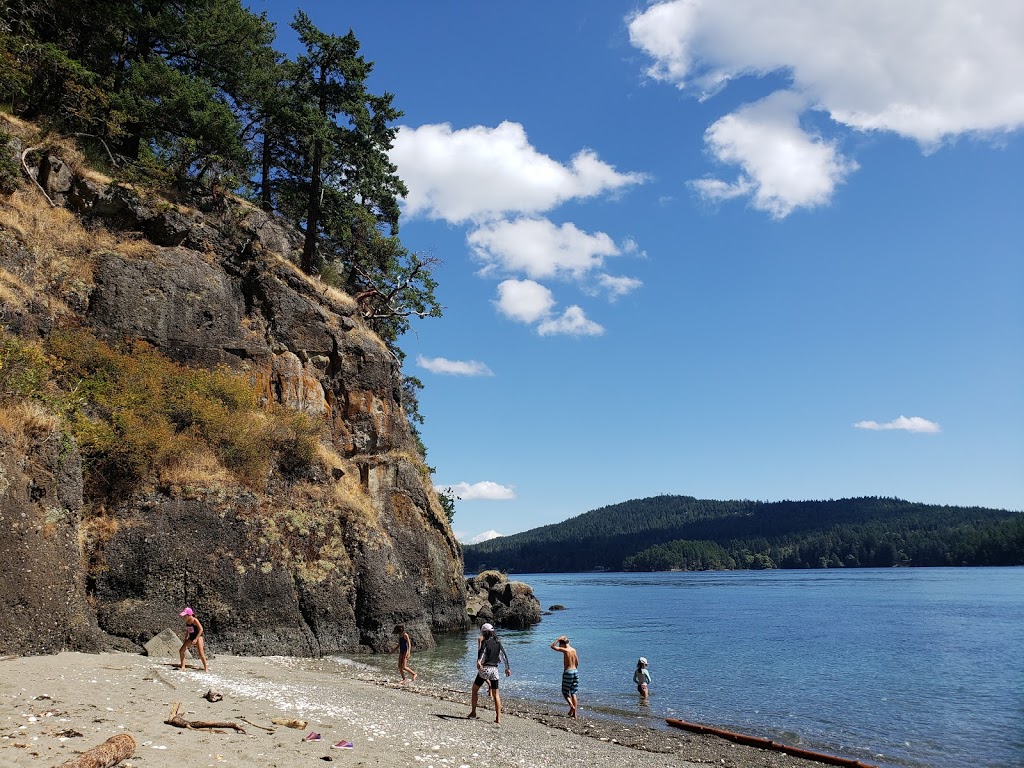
476 695
572 705
403 667
497 705
202 653
181 654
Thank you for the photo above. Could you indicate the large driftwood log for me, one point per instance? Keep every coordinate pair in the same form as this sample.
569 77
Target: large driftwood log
110 752
175 718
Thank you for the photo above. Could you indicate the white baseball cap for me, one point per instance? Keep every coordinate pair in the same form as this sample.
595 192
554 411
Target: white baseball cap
486 628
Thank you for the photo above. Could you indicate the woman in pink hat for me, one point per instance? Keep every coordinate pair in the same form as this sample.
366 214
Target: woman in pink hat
193 637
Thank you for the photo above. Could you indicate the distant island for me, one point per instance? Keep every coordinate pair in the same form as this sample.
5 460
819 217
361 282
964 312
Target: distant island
665 533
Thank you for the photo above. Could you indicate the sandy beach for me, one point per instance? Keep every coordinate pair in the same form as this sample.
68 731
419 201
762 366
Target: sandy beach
53 708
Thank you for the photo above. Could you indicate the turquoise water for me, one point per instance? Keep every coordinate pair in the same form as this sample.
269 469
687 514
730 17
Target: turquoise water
898 667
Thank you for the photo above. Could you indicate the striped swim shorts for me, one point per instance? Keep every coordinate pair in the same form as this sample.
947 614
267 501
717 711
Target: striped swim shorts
570 682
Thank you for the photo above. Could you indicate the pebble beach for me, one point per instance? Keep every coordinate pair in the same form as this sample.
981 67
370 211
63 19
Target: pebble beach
54 708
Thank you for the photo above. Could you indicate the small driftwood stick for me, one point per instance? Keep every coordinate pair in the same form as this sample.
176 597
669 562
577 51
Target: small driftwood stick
110 752
175 718
262 728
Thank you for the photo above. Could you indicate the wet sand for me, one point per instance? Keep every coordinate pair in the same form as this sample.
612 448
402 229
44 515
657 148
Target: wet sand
53 708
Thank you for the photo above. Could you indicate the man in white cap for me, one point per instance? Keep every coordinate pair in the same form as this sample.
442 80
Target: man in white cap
488 656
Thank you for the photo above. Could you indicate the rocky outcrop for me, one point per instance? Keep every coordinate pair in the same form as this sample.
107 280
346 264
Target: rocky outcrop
42 583
491 597
320 564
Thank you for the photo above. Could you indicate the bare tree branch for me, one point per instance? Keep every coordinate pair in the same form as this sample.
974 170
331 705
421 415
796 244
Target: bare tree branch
28 173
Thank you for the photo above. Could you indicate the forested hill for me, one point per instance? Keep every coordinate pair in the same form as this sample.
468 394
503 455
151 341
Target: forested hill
683 533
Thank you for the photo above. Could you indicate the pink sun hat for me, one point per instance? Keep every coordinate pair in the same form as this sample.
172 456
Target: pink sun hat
186 612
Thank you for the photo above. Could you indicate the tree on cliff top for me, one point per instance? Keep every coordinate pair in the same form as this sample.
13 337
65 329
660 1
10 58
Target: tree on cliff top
339 180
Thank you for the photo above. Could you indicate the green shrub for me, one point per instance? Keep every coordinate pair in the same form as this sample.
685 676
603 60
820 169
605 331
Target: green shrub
24 368
137 411
10 175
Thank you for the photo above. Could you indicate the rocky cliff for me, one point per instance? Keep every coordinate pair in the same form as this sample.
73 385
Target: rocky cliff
323 559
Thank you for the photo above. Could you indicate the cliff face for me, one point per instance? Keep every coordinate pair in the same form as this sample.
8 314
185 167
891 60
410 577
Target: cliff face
322 563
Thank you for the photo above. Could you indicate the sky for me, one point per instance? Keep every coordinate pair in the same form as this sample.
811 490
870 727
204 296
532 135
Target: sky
730 249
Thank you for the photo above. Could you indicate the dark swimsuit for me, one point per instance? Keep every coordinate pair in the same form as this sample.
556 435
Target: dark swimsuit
403 645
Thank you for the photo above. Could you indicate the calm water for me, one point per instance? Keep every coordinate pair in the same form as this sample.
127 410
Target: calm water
899 667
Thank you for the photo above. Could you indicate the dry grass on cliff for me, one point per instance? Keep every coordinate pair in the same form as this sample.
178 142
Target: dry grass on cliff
27 421
193 472
62 248
140 417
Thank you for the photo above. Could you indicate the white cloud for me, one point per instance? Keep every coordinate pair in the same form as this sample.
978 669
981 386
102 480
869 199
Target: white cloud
911 424
783 167
481 173
525 301
453 367
539 249
529 302
572 322
481 537
927 70
485 490
617 287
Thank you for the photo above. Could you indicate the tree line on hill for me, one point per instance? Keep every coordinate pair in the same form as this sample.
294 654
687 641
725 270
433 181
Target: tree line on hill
683 533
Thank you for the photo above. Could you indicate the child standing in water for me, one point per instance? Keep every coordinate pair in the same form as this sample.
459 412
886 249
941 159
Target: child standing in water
193 637
404 651
642 677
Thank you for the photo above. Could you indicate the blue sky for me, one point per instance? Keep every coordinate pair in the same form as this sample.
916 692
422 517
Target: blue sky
732 249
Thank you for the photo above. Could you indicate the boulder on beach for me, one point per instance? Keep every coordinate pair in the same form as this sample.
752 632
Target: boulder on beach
164 645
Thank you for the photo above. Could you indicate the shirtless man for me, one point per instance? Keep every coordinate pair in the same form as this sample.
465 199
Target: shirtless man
570 677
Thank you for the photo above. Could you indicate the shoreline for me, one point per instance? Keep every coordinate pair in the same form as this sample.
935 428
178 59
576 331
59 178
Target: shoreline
54 707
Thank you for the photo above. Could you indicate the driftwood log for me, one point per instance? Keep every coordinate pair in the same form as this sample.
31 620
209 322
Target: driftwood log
110 752
175 718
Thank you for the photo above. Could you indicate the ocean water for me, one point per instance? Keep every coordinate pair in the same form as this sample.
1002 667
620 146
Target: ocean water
902 667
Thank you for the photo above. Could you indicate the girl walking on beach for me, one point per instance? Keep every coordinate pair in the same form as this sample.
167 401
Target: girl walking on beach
193 638
404 651
642 678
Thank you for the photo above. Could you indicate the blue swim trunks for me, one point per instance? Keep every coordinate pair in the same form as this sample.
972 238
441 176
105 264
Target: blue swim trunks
570 682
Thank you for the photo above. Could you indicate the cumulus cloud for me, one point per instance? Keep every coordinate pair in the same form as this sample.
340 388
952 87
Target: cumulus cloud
907 424
479 538
617 287
572 322
784 167
453 367
495 181
927 70
539 249
526 301
485 490
482 173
